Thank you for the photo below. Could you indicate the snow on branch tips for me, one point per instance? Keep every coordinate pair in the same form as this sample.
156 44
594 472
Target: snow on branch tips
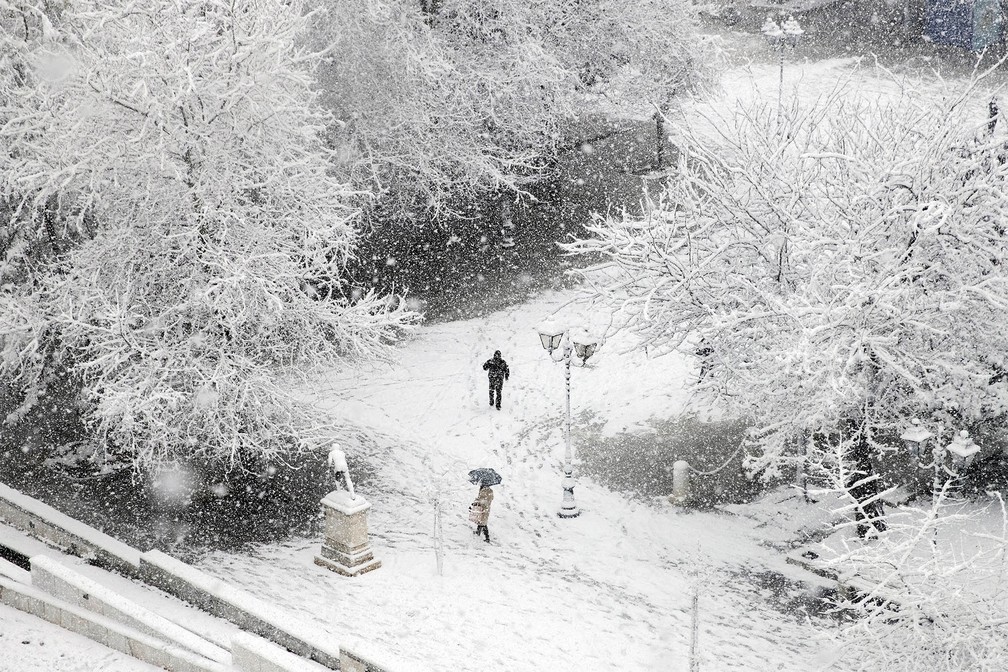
928 593
211 275
846 268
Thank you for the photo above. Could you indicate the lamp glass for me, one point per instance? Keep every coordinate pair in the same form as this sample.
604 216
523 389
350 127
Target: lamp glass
584 350
791 27
770 29
550 340
915 437
963 449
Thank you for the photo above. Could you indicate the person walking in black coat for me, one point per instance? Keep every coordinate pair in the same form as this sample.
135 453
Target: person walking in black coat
497 372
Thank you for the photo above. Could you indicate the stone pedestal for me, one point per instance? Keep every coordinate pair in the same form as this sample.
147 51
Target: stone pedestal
346 548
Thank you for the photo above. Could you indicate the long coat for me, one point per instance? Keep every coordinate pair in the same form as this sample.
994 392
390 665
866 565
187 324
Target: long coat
484 499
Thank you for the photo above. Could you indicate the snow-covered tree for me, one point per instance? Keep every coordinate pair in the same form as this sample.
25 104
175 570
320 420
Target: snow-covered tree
930 592
437 101
839 268
176 148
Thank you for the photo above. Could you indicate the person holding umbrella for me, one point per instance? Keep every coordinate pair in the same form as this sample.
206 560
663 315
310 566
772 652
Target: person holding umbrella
479 510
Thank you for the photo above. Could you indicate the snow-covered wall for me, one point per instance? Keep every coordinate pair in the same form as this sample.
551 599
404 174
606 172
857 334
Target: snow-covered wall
65 584
255 654
11 571
103 630
220 599
180 580
56 528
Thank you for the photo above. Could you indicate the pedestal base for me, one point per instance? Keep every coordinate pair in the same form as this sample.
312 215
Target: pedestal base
344 570
569 513
568 507
346 548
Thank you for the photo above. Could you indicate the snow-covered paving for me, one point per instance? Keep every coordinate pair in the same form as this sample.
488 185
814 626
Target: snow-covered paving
610 589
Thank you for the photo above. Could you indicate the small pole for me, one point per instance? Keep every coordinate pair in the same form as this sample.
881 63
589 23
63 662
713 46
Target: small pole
804 467
438 536
937 453
659 136
694 663
680 482
567 422
780 85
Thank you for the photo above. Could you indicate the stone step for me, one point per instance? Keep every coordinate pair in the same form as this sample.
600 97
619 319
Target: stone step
62 582
11 571
105 630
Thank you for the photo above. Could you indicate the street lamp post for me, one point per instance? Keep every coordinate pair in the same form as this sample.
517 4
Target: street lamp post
580 344
779 36
962 450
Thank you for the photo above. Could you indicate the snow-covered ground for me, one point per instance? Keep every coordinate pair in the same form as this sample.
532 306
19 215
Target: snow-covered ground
609 590
612 589
861 76
28 643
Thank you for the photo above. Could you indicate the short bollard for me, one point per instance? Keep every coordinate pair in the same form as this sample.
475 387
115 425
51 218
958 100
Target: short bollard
680 482
346 548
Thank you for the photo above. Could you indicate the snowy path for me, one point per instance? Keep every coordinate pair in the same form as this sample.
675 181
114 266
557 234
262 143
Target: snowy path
609 590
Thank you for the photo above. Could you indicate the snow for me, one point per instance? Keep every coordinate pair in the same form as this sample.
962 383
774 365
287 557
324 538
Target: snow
345 502
94 538
13 572
611 589
21 543
249 650
971 531
29 643
807 80
437 371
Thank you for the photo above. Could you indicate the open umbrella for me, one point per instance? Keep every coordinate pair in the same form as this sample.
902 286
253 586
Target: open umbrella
485 477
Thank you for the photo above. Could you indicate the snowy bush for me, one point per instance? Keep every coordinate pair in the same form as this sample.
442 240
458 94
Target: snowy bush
928 593
842 263
181 143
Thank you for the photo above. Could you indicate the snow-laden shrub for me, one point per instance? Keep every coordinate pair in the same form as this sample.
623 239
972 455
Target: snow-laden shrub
927 593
